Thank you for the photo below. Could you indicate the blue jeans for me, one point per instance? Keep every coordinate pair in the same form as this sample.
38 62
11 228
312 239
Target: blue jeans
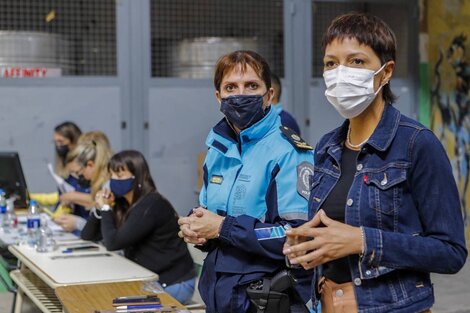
182 291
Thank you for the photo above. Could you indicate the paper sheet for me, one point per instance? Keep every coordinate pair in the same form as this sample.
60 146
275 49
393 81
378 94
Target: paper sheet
62 185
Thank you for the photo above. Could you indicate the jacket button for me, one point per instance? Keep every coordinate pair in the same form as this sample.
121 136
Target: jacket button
368 272
357 281
349 202
339 293
359 167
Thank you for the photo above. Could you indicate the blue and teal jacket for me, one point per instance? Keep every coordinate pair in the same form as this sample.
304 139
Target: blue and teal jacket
259 181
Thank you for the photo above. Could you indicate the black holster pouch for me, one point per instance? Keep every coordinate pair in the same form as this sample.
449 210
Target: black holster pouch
275 294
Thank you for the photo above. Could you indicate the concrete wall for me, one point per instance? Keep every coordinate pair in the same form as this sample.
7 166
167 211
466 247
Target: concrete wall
30 113
178 112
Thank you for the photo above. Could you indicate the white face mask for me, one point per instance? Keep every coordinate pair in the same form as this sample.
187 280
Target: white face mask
350 90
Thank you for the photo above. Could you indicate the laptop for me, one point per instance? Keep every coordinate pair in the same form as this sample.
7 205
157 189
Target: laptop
12 179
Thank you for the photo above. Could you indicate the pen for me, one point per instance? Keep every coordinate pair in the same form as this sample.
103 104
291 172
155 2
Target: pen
134 297
80 248
56 257
139 310
166 309
134 307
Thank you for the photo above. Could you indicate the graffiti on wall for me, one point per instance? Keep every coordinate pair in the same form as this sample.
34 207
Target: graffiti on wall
449 44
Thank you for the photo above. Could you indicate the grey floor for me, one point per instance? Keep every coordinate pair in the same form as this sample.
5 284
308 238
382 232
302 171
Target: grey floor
452 294
452 291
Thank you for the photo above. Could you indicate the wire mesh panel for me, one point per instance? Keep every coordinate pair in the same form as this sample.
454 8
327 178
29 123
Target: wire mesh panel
395 15
188 36
65 37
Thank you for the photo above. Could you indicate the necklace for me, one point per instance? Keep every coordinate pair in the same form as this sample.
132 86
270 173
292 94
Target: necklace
348 140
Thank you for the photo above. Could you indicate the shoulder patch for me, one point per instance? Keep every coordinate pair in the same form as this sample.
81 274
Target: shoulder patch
295 139
304 172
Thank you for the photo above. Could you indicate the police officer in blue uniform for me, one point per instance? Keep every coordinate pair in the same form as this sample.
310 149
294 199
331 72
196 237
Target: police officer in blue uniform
256 185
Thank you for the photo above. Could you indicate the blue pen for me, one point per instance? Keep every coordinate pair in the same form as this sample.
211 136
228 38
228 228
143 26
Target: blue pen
162 309
134 307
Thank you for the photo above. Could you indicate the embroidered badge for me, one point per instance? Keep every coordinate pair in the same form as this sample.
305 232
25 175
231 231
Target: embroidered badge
304 171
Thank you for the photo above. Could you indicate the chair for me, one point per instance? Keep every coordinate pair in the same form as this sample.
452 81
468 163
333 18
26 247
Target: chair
6 284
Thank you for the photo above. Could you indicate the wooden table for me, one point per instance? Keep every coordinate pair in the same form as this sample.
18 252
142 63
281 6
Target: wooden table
88 298
41 273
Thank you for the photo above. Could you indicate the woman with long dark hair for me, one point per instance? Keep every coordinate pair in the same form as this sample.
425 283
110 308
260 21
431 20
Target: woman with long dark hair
133 216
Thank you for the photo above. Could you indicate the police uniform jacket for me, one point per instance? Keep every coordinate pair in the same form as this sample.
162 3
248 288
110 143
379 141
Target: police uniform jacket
258 180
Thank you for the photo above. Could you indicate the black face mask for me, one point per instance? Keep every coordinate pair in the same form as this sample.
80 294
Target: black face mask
83 182
243 111
62 150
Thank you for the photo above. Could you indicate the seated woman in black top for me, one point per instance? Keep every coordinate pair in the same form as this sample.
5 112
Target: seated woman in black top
134 217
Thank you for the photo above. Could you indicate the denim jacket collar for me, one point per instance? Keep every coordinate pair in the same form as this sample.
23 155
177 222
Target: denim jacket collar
386 130
381 137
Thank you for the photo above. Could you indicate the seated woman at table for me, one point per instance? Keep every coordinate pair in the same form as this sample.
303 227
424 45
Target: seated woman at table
65 139
88 162
135 217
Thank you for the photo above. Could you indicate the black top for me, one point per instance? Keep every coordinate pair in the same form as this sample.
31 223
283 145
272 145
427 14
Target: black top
334 206
149 237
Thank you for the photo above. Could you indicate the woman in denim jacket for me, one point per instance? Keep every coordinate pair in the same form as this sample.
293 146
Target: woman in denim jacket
384 206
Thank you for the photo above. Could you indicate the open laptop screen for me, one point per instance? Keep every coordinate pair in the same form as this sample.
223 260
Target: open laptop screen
12 180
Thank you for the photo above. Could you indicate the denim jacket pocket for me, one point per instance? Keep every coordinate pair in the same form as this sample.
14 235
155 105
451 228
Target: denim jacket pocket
385 188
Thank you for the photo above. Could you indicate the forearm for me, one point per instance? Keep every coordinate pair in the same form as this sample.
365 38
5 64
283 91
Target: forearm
406 251
131 232
91 230
109 231
249 234
82 198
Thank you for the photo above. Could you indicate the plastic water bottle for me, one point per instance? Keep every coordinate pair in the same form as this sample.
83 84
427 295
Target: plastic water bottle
3 206
33 223
9 218
45 237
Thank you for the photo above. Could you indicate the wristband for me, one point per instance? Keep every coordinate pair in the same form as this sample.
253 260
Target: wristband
95 213
105 208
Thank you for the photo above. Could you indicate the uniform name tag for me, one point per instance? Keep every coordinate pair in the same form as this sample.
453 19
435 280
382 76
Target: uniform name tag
216 179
